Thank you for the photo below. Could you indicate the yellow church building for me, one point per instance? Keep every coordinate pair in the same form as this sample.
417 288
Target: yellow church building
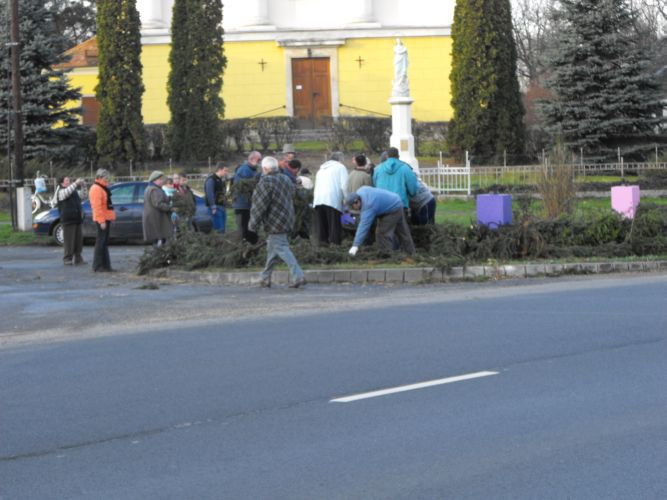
301 58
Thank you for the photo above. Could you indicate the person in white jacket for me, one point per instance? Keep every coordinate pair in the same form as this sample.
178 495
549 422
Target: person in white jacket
328 197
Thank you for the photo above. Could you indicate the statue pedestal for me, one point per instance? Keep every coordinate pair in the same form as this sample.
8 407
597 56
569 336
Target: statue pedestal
401 130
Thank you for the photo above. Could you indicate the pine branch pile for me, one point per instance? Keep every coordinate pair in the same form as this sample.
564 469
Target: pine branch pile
442 245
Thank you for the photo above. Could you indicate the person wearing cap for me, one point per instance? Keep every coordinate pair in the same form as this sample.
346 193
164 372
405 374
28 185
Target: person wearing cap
328 197
273 208
156 219
289 152
396 176
103 214
387 207
216 198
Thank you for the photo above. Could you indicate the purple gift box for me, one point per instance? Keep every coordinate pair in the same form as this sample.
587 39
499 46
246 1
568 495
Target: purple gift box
625 199
494 210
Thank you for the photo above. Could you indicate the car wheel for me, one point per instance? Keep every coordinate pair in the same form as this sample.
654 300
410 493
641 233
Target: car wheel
59 234
36 204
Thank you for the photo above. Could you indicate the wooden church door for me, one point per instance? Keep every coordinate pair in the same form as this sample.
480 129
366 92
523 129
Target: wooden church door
311 88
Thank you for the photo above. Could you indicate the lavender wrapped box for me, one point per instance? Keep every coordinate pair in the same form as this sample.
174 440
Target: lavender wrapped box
494 210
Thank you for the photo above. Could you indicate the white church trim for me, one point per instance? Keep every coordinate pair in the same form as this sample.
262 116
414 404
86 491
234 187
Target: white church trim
262 20
312 48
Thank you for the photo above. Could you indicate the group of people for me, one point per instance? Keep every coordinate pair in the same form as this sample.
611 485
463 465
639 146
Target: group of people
387 195
217 196
169 203
71 218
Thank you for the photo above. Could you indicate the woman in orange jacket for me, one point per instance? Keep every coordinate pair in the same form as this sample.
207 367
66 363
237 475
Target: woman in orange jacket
103 214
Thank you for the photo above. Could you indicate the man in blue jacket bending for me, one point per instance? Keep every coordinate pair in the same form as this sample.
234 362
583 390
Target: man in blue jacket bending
396 176
387 207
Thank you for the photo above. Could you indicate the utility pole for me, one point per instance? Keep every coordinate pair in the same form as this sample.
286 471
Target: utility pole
16 91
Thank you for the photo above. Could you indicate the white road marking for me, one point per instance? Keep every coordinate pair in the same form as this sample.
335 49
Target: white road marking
411 387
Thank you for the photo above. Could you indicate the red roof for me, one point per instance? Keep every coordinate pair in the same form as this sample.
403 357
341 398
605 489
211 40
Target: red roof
83 55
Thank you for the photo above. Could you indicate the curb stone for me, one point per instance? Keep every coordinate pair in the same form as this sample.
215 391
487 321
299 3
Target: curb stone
414 275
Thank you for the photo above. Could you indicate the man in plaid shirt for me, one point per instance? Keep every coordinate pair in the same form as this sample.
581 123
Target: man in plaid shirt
273 207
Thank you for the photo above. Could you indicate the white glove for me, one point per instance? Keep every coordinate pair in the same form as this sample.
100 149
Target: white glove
353 251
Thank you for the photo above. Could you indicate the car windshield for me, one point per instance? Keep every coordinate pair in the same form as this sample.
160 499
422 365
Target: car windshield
122 194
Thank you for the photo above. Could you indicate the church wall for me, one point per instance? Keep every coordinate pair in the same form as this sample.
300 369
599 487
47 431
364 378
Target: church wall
369 87
85 79
155 60
247 90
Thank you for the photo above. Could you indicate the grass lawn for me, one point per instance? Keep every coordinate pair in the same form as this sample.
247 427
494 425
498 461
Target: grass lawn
458 211
463 212
10 237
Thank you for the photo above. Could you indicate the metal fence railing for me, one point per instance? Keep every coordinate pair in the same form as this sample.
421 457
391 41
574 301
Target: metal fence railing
445 179
460 178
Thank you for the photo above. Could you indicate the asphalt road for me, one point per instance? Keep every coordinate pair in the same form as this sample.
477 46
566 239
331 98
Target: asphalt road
201 392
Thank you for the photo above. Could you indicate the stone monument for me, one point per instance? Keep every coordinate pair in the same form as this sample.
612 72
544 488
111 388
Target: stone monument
401 108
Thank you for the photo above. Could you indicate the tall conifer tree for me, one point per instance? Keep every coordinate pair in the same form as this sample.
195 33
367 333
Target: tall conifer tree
605 97
120 131
488 114
45 88
195 80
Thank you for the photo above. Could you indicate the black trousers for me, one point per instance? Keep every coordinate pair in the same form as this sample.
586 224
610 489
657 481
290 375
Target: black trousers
394 223
101 259
72 243
425 215
242 216
329 227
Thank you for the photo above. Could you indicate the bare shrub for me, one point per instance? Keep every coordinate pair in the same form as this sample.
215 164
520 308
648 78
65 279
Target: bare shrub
282 129
555 183
341 133
264 130
374 132
237 131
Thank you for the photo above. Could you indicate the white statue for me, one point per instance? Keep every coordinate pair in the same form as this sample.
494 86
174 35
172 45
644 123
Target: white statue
401 85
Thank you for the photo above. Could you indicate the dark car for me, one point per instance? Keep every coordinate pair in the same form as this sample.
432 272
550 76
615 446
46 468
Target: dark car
128 202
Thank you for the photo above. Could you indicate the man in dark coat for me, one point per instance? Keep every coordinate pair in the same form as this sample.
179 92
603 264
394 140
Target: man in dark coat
241 202
273 208
216 197
71 217
157 211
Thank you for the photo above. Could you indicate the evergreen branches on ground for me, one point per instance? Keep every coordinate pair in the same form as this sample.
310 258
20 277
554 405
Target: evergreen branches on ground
603 234
120 130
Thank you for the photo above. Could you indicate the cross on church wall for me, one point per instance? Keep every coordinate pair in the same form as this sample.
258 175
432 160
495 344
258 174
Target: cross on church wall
262 63
360 61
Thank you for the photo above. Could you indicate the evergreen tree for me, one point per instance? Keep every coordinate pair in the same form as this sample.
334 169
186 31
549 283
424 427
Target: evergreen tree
51 129
604 97
195 80
120 131
488 114
75 20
